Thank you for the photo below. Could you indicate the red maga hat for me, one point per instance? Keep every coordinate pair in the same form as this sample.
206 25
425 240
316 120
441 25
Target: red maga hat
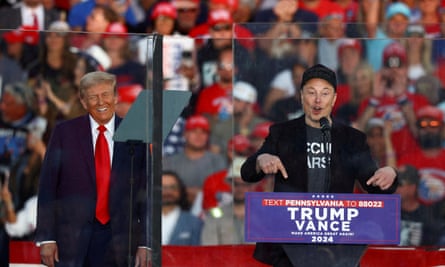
116 29
394 55
261 130
349 43
128 93
239 143
430 112
164 9
219 16
196 122
12 37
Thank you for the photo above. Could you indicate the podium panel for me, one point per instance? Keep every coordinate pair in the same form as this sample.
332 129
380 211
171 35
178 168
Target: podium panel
322 218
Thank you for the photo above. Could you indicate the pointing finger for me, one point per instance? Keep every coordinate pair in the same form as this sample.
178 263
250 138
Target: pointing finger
372 181
282 170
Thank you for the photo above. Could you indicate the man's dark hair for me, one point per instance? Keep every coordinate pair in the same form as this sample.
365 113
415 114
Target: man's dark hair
182 201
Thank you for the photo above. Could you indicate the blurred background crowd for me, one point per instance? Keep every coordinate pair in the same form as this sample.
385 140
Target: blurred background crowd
243 61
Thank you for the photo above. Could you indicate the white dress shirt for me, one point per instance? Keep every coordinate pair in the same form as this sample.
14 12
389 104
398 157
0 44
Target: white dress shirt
28 16
108 134
168 224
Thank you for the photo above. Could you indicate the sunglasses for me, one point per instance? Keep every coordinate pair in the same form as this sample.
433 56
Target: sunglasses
170 187
222 27
189 10
429 123
225 66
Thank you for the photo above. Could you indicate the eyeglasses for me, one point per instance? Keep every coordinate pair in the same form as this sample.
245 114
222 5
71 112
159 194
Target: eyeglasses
170 187
189 10
225 66
429 123
56 34
221 27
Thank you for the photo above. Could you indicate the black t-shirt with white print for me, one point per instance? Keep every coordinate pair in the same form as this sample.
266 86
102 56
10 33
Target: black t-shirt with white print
318 156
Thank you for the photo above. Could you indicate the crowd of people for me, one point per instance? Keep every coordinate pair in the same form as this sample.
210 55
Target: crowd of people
243 61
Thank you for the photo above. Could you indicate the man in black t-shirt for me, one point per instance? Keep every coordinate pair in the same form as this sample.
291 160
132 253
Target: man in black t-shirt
315 154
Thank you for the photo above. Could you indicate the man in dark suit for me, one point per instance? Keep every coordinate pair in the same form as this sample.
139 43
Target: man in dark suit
70 231
30 17
24 13
315 154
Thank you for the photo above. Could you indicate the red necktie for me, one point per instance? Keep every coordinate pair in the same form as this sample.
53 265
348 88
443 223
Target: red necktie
35 20
103 170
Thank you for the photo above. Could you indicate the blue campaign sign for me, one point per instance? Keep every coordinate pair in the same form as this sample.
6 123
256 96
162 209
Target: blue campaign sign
322 218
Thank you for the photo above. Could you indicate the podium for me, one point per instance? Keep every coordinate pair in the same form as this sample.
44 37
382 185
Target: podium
321 229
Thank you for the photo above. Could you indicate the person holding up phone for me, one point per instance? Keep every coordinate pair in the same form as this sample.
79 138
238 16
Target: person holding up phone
391 100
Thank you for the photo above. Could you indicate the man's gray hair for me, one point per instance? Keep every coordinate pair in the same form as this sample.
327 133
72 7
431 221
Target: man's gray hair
94 78
22 93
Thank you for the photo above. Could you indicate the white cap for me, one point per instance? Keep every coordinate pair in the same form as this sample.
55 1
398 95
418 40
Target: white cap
245 92
99 55
59 26
374 122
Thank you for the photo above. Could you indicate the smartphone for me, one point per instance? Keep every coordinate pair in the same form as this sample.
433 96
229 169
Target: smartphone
4 175
389 83
2 179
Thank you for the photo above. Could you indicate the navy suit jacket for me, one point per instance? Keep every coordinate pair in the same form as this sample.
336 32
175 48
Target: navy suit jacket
67 193
350 161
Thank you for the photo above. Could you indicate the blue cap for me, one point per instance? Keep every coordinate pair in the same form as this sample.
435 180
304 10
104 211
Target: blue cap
398 8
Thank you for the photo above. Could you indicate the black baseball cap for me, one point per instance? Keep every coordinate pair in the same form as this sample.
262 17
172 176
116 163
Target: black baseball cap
320 71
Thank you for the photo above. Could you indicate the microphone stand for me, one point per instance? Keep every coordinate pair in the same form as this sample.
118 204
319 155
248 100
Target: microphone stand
326 137
130 228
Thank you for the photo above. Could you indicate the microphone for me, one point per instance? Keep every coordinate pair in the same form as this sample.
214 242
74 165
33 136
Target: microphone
324 123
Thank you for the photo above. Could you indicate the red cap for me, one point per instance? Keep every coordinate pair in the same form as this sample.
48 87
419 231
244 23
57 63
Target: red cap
128 93
394 55
219 16
240 144
197 121
30 34
333 11
185 3
430 112
261 130
116 29
349 43
231 5
164 9
14 37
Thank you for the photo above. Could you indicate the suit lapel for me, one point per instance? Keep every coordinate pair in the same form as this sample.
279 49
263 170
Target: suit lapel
296 136
86 144
117 147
